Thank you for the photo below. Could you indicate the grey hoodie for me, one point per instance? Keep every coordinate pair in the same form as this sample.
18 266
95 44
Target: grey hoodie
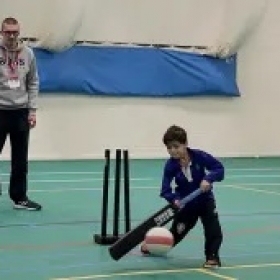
26 94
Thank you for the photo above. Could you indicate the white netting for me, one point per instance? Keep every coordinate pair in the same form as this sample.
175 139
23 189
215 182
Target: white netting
241 17
60 22
218 27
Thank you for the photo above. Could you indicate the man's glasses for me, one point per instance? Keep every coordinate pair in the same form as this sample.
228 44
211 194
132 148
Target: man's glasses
10 33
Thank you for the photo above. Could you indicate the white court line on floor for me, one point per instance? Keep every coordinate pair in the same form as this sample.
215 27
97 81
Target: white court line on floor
101 172
254 169
60 173
242 188
239 187
92 179
253 176
80 180
254 184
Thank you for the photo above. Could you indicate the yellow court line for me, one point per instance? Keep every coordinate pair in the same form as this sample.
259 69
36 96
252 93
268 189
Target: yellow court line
184 270
257 265
215 274
252 189
134 273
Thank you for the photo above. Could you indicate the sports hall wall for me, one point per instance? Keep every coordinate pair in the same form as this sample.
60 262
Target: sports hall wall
81 126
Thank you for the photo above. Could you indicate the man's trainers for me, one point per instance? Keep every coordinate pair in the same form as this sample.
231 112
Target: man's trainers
27 205
212 263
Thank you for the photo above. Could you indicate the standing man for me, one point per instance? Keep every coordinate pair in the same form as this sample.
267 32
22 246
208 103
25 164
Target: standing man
19 86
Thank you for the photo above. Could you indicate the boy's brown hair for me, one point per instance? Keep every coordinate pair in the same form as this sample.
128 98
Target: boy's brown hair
175 133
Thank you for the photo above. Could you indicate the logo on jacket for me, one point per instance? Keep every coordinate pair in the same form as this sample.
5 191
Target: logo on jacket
19 62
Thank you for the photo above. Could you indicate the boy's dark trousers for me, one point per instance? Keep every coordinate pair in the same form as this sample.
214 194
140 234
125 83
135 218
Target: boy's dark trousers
187 219
15 124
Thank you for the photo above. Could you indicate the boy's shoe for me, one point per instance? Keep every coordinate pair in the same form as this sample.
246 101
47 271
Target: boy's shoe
212 263
144 250
27 205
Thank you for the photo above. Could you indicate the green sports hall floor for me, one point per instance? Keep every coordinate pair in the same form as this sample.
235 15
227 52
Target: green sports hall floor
57 242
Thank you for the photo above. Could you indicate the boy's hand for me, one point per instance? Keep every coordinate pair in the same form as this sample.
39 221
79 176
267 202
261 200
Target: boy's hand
176 203
205 186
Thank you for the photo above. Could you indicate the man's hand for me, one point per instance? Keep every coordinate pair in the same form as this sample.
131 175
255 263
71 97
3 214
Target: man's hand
32 119
205 186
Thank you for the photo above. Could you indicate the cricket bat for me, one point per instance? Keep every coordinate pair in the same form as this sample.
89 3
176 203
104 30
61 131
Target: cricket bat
131 239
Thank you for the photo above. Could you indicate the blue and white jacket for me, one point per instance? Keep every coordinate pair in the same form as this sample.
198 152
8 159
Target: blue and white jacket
203 166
